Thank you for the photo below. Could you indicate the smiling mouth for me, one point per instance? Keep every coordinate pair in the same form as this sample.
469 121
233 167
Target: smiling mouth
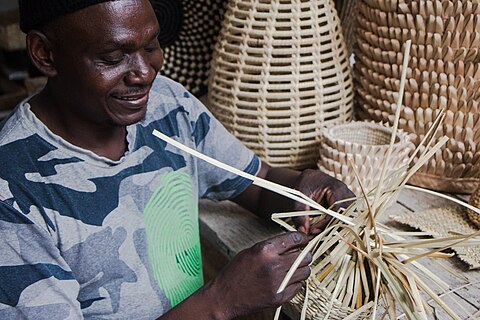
135 100
131 97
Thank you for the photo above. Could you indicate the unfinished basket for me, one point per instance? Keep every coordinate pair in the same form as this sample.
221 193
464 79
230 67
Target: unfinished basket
475 201
363 145
281 73
443 73
321 297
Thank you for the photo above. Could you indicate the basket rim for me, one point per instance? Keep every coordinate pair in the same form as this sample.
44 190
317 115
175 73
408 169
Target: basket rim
330 133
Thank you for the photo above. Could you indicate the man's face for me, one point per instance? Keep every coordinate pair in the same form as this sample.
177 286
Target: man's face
106 58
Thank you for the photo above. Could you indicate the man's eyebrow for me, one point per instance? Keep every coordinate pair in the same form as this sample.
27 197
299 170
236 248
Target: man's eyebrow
128 44
124 44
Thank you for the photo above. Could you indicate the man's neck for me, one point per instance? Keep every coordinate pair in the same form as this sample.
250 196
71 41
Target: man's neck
102 139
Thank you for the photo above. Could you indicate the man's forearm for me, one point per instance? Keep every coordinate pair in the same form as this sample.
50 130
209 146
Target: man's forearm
271 202
263 202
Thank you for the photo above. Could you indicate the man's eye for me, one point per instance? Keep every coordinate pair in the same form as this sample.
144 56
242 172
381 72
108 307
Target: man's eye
112 60
153 46
152 49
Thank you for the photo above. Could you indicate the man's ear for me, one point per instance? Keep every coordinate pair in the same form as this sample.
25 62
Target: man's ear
41 53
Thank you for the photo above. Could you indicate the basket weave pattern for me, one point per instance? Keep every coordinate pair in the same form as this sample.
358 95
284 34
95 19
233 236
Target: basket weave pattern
363 145
318 303
444 73
475 201
280 73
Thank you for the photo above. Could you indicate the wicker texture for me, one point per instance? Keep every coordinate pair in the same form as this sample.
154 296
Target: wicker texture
319 301
11 37
347 11
442 222
280 73
364 145
443 73
475 201
188 31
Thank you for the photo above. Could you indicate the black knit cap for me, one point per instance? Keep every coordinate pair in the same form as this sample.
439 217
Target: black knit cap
33 13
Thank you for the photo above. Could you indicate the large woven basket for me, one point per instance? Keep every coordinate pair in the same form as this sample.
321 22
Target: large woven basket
11 37
280 73
475 201
188 31
443 73
347 12
363 146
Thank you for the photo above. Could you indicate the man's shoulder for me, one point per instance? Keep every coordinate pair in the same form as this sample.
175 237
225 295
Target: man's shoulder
12 127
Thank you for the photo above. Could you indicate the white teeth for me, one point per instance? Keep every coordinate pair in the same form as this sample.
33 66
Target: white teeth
127 98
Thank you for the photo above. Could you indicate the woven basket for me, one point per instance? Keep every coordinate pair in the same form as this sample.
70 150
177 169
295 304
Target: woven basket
319 300
347 11
475 201
365 145
280 73
11 37
443 73
188 31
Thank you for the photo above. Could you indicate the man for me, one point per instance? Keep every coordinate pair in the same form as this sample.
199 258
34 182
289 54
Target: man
98 218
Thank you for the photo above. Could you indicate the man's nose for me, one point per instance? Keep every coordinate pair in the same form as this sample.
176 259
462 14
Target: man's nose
141 71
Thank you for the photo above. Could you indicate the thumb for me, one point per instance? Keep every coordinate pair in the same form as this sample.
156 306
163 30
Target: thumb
303 224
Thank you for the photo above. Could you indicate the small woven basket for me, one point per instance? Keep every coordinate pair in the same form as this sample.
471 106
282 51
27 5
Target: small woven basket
363 145
475 201
281 73
443 73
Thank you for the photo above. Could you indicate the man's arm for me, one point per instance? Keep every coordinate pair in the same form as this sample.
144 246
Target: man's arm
250 282
319 186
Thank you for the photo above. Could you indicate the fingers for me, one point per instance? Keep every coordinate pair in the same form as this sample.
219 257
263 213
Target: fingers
295 284
301 274
290 292
319 226
303 224
288 242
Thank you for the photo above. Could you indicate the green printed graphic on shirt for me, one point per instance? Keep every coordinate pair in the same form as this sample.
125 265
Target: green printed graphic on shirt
171 221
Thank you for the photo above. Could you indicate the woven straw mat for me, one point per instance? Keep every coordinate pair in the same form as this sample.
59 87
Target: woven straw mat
439 222
474 201
280 73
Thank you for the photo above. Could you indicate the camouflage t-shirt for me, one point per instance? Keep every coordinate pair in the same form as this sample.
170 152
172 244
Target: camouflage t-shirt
82 236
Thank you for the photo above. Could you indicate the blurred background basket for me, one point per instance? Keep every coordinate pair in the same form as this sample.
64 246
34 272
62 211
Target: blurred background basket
11 37
280 73
364 145
475 201
443 73
188 31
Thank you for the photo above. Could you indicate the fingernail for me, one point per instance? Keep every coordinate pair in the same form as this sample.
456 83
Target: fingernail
297 237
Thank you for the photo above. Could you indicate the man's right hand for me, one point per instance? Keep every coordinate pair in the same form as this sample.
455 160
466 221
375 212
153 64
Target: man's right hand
250 281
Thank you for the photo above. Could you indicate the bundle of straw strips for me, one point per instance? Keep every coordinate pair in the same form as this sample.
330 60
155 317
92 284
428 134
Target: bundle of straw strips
357 262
